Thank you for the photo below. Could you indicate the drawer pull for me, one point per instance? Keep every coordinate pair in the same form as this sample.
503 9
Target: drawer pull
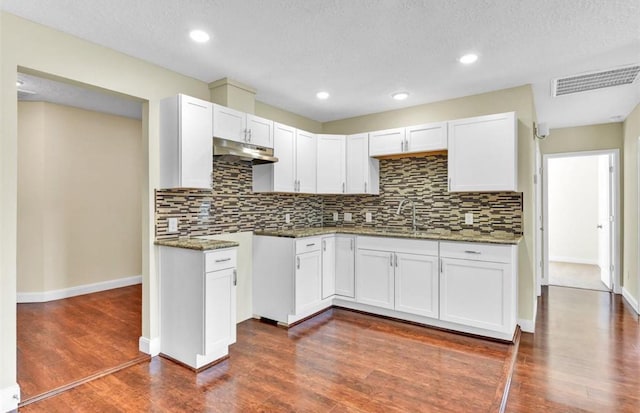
311 245
235 277
472 252
223 260
391 260
298 262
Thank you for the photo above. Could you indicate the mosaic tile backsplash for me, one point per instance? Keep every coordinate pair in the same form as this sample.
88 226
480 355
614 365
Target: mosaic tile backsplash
231 205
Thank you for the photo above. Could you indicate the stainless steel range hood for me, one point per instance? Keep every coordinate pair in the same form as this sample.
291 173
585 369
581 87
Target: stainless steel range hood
236 151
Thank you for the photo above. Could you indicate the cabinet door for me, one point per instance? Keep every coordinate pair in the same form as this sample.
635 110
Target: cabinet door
305 162
345 266
284 149
362 171
328 267
416 286
260 131
308 288
483 153
196 147
387 142
331 164
218 314
476 293
427 137
229 123
374 278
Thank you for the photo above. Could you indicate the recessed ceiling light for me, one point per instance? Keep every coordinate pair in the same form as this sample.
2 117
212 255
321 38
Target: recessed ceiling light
19 83
323 95
400 95
199 36
468 58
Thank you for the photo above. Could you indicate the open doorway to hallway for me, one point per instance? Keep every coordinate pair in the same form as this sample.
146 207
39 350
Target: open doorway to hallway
580 203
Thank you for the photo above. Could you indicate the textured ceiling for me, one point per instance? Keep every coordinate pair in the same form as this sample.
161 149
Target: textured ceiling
361 51
39 89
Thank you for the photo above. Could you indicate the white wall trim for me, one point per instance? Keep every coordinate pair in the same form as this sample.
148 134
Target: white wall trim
630 299
9 398
573 260
41 297
149 346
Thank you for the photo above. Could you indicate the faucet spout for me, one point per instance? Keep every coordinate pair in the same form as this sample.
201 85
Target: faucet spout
413 212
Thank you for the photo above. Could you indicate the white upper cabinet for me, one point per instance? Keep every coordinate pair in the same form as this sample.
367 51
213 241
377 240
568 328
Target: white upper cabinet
420 138
242 127
295 170
426 138
363 172
332 161
259 131
387 142
186 149
483 153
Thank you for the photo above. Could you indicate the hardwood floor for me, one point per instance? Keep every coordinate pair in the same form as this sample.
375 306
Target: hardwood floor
64 341
584 356
339 361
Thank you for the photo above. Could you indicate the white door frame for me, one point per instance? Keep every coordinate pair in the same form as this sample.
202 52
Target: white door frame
615 228
539 237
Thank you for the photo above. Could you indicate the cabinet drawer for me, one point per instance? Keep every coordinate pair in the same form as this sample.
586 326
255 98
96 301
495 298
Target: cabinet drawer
476 251
220 260
409 246
308 245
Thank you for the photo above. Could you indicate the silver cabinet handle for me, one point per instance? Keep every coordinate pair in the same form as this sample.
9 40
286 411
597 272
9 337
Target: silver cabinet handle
298 262
472 252
391 260
235 277
343 188
324 245
440 265
402 146
600 226
396 255
365 187
406 145
311 245
223 260
249 135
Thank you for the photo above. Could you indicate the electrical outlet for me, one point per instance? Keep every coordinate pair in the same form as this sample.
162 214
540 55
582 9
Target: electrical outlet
367 217
335 216
172 224
468 218
347 217
287 218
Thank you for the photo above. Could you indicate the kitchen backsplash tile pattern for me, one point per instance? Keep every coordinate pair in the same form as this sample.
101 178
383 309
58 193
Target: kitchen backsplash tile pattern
231 205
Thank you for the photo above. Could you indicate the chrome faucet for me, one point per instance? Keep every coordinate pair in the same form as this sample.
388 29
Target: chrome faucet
413 211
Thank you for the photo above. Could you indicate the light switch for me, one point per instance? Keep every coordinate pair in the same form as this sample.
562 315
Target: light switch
347 217
367 216
287 218
172 224
335 216
468 218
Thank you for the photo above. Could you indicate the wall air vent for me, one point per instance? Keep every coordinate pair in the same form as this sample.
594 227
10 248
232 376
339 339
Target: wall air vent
595 80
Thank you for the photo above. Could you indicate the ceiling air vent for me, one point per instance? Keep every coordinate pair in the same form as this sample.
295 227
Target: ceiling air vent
595 80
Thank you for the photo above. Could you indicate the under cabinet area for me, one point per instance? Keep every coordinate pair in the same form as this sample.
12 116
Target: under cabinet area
197 304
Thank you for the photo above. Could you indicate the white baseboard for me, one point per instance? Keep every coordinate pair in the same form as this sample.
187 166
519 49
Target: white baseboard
573 260
149 346
9 398
630 299
41 297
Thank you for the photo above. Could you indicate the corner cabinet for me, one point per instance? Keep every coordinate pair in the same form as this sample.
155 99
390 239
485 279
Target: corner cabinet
295 170
186 152
483 153
363 172
345 265
478 286
197 304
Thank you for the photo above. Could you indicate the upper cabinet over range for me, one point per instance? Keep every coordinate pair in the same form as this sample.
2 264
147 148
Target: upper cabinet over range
242 127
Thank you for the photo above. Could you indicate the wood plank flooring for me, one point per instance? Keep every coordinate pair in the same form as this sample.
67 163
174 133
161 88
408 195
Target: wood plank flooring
584 356
339 361
63 341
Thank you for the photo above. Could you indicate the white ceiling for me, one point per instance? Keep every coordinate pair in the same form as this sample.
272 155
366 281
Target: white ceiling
361 51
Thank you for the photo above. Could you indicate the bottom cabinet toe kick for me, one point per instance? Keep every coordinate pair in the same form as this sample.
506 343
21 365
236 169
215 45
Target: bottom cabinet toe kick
465 287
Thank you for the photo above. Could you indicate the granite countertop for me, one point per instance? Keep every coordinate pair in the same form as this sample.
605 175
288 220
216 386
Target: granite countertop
196 243
466 236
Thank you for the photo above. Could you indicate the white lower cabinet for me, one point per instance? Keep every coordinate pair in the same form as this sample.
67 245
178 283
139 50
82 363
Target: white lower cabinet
416 284
197 304
478 286
345 265
328 266
374 281
287 278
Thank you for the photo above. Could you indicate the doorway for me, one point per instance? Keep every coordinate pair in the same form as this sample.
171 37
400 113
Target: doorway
79 233
580 210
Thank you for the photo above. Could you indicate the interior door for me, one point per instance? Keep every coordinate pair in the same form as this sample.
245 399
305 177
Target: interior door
604 218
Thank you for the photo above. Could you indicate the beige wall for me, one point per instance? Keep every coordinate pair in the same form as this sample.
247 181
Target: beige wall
583 138
631 133
518 99
46 51
288 118
79 188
